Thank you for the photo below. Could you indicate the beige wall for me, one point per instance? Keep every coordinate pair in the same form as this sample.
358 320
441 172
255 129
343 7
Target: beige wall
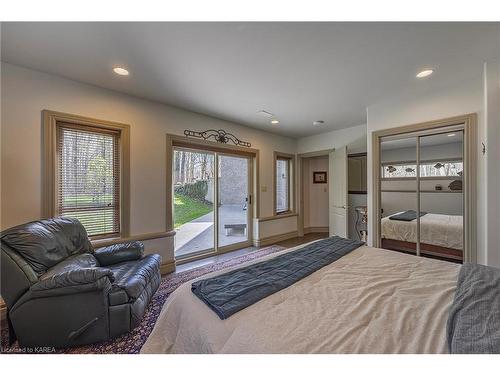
315 195
25 93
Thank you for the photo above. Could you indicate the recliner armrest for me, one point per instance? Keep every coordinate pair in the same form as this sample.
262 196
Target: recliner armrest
76 277
82 280
118 253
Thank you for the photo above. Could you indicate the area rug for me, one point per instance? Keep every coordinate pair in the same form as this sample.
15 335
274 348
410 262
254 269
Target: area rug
132 342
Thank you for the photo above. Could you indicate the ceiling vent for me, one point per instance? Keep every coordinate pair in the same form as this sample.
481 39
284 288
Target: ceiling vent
265 113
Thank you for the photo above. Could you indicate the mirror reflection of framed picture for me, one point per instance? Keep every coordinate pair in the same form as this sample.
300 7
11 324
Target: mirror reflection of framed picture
319 178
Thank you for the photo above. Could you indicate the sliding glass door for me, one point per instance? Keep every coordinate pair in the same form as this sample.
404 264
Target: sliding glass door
194 197
233 209
212 202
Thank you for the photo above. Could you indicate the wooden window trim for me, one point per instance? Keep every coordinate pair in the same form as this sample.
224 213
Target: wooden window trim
49 190
291 183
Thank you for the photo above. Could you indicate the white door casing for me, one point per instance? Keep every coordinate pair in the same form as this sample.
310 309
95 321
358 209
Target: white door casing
337 167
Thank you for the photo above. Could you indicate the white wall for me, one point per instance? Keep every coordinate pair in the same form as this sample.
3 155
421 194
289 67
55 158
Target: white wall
354 138
436 203
426 105
492 118
25 93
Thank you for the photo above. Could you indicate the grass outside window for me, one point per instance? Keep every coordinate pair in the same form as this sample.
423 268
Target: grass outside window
187 209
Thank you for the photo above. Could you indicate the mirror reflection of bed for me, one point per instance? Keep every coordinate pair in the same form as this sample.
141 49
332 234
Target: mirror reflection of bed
438 232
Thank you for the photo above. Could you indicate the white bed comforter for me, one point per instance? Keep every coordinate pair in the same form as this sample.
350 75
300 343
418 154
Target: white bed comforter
369 301
435 229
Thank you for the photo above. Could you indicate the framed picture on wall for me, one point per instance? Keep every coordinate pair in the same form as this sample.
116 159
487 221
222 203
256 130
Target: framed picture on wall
319 178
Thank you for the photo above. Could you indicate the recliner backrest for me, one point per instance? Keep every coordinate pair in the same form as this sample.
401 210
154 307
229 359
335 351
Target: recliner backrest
44 243
17 276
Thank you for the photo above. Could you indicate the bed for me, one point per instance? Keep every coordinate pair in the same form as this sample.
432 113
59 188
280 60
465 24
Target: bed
441 236
369 301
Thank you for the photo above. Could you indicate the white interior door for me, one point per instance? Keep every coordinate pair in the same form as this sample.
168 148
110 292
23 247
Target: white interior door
338 192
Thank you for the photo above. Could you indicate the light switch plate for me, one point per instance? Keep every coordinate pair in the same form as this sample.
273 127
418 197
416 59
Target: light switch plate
263 189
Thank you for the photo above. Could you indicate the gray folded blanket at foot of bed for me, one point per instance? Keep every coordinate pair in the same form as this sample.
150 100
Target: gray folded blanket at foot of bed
474 319
231 292
408 215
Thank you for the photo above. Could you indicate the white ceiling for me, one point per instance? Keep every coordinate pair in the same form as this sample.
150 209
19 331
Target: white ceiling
301 72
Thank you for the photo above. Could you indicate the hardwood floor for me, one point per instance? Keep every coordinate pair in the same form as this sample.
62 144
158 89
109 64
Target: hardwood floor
296 241
292 242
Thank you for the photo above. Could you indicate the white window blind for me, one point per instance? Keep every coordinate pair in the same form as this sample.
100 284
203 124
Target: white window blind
89 177
282 185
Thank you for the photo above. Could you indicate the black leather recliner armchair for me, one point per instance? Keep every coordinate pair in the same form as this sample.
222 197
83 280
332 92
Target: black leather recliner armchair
60 292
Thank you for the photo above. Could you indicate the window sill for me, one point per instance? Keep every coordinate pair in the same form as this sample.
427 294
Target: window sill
140 237
278 216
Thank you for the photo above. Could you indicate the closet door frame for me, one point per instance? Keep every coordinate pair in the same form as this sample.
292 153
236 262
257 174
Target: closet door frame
467 123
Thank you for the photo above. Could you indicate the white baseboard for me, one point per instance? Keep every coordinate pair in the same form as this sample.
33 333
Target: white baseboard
273 239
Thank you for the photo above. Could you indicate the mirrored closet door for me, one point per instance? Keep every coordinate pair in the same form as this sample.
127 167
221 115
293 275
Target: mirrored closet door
421 193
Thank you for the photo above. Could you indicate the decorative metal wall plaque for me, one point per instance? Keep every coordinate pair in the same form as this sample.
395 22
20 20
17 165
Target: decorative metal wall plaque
220 136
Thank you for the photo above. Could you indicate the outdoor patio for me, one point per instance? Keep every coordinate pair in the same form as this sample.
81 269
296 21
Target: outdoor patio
198 234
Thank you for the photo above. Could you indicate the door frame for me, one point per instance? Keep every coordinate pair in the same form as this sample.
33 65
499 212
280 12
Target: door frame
332 158
299 184
177 141
468 122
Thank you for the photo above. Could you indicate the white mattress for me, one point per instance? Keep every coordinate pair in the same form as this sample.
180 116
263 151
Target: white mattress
435 229
369 301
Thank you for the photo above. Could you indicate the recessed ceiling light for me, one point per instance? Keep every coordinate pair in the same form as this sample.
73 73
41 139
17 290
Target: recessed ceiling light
318 122
121 71
451 135
425 73
274 122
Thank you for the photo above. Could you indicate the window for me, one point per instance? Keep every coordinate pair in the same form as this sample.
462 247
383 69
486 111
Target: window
85 173
442 169
399 171
432 169
89 178
283 184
